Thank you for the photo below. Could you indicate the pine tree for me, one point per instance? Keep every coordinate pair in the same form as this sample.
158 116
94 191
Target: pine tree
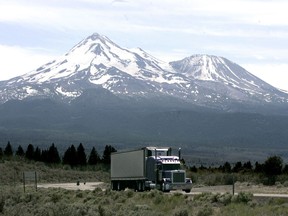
53 155
8 151
259 168
226 167
45 156
94 157
273 166
106 159
247 166
238 167
37 154
29 154
1 153
81 156
20 152
70 156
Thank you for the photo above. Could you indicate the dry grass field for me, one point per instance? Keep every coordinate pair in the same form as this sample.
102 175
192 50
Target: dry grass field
59 195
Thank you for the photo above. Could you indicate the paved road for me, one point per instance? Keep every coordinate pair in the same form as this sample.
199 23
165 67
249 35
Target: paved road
195 191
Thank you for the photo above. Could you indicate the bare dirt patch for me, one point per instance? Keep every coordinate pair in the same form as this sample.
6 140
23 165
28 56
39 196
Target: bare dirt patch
76 185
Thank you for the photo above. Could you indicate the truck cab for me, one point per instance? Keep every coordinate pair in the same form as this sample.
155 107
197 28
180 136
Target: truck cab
165 171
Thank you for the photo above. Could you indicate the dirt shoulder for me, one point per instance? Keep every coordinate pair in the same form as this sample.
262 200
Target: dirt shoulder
75 185
243 187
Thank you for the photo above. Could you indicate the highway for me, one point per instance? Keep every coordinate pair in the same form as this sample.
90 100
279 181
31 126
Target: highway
255 190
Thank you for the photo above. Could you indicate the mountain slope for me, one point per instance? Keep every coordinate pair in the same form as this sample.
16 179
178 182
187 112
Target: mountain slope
97 62
101 93
213 70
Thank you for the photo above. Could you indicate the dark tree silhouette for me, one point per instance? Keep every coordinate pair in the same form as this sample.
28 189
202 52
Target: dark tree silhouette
1 153
247 166
29 154
273 166
285 169
259 168
20 152
70 156
237 167
81 155
37 154
106 159
226 167
8 151
45 156
53 155
94 157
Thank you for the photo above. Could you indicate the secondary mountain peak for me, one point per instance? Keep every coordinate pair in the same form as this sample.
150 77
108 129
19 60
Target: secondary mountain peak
97 62
204 67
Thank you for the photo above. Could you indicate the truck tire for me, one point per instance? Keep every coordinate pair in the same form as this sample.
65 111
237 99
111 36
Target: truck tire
118 187
140 186
163 188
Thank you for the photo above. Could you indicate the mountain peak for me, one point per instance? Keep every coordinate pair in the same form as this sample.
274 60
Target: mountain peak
200 67
93 41
97 62
98 37
95 36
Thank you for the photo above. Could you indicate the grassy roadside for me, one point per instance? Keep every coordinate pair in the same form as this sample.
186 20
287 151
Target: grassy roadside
11 172
61 202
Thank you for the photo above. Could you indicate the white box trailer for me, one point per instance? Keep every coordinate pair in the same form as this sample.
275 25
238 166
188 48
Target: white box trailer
128 165
148 168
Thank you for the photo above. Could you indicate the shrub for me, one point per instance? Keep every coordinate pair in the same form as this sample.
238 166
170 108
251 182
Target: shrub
129 193
205 211
207 196
182 212
243 197
101 210
224 199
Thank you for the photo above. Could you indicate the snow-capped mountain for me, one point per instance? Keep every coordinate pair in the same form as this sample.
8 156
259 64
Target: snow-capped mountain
226 80
97 62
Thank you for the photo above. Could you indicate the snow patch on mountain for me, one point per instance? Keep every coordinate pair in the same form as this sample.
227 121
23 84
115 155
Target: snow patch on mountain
98 62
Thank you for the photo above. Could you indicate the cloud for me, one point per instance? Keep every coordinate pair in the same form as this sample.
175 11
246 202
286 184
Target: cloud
222 18
274 74
245 31
18 60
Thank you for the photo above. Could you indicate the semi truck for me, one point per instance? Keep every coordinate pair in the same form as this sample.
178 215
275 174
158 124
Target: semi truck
148 168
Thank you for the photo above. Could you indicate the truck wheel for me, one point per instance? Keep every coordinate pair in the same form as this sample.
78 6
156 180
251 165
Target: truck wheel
118 186
163 188
139 186
187 191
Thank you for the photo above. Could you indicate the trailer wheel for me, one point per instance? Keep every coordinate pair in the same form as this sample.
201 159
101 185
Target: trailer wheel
140 186
118 186
114 185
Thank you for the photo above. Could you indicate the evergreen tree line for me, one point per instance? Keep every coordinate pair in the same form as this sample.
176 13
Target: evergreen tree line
72 156
272 166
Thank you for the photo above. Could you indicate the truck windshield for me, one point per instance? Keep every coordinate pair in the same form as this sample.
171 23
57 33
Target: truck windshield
171 166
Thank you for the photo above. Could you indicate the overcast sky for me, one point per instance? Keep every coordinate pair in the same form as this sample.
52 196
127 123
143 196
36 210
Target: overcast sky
252 33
